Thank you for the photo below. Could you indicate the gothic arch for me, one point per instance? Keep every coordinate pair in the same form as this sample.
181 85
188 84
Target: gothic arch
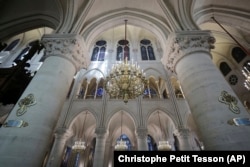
170 114
228 15
120 123
160 125
127 110
83 125
153 72
98 71
100 24
46 14
74 114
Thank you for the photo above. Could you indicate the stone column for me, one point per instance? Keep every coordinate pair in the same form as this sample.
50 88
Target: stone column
56 154
108 151
100 147
142 134
212 101
183 136
28 146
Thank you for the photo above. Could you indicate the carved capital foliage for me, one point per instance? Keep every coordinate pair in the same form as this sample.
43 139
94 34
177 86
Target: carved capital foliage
181 44
100 132
69 46
182 132
142 133
63 133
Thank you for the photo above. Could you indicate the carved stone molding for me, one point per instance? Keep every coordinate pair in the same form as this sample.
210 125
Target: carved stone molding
69 46
184 43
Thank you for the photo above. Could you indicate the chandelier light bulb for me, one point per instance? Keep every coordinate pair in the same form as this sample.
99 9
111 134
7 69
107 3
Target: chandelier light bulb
79 146
126 81
164 146
121 146
246 74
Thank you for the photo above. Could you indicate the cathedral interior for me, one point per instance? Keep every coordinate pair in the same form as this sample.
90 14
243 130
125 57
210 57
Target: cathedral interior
57 55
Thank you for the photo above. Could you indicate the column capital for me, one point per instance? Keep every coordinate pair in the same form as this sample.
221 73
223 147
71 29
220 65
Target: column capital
141 132
63 133
183 132
185 42
68 46
100 132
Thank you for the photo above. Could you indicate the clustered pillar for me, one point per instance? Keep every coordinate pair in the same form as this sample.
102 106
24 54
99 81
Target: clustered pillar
203 85
28 146
142 135
99 147
56 154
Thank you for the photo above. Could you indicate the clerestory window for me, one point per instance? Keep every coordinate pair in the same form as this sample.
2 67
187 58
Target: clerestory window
147 51
99 51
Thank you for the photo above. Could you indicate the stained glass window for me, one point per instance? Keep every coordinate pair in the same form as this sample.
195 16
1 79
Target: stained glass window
2 46
238 54
122 50
225 69
147 51
151 144
12 45
99 50
125 138
144 53
99 92
21 55
149 91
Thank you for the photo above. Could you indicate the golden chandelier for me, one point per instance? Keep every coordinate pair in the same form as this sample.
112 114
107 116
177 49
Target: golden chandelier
126 80
121 145
163 144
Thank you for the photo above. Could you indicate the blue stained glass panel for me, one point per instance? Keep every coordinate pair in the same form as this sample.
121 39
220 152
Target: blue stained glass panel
99 92
144 53
95 54
12 45
125 138
151 53
102 54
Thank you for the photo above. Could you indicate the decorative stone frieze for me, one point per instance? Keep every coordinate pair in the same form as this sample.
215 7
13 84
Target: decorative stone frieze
184 43
69 46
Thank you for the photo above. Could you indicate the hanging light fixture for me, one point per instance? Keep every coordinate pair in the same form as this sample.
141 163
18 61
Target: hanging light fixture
79 145
246 74
163 144
126 80
121 145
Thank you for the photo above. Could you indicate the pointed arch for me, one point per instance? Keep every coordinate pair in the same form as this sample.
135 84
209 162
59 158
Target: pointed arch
120 124
160 125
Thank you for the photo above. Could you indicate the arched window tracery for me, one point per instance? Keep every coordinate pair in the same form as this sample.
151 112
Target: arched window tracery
147 52
99 50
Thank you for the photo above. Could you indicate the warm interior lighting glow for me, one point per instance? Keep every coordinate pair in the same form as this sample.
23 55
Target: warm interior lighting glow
121 145
246 74
163 144
79 145
126 80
